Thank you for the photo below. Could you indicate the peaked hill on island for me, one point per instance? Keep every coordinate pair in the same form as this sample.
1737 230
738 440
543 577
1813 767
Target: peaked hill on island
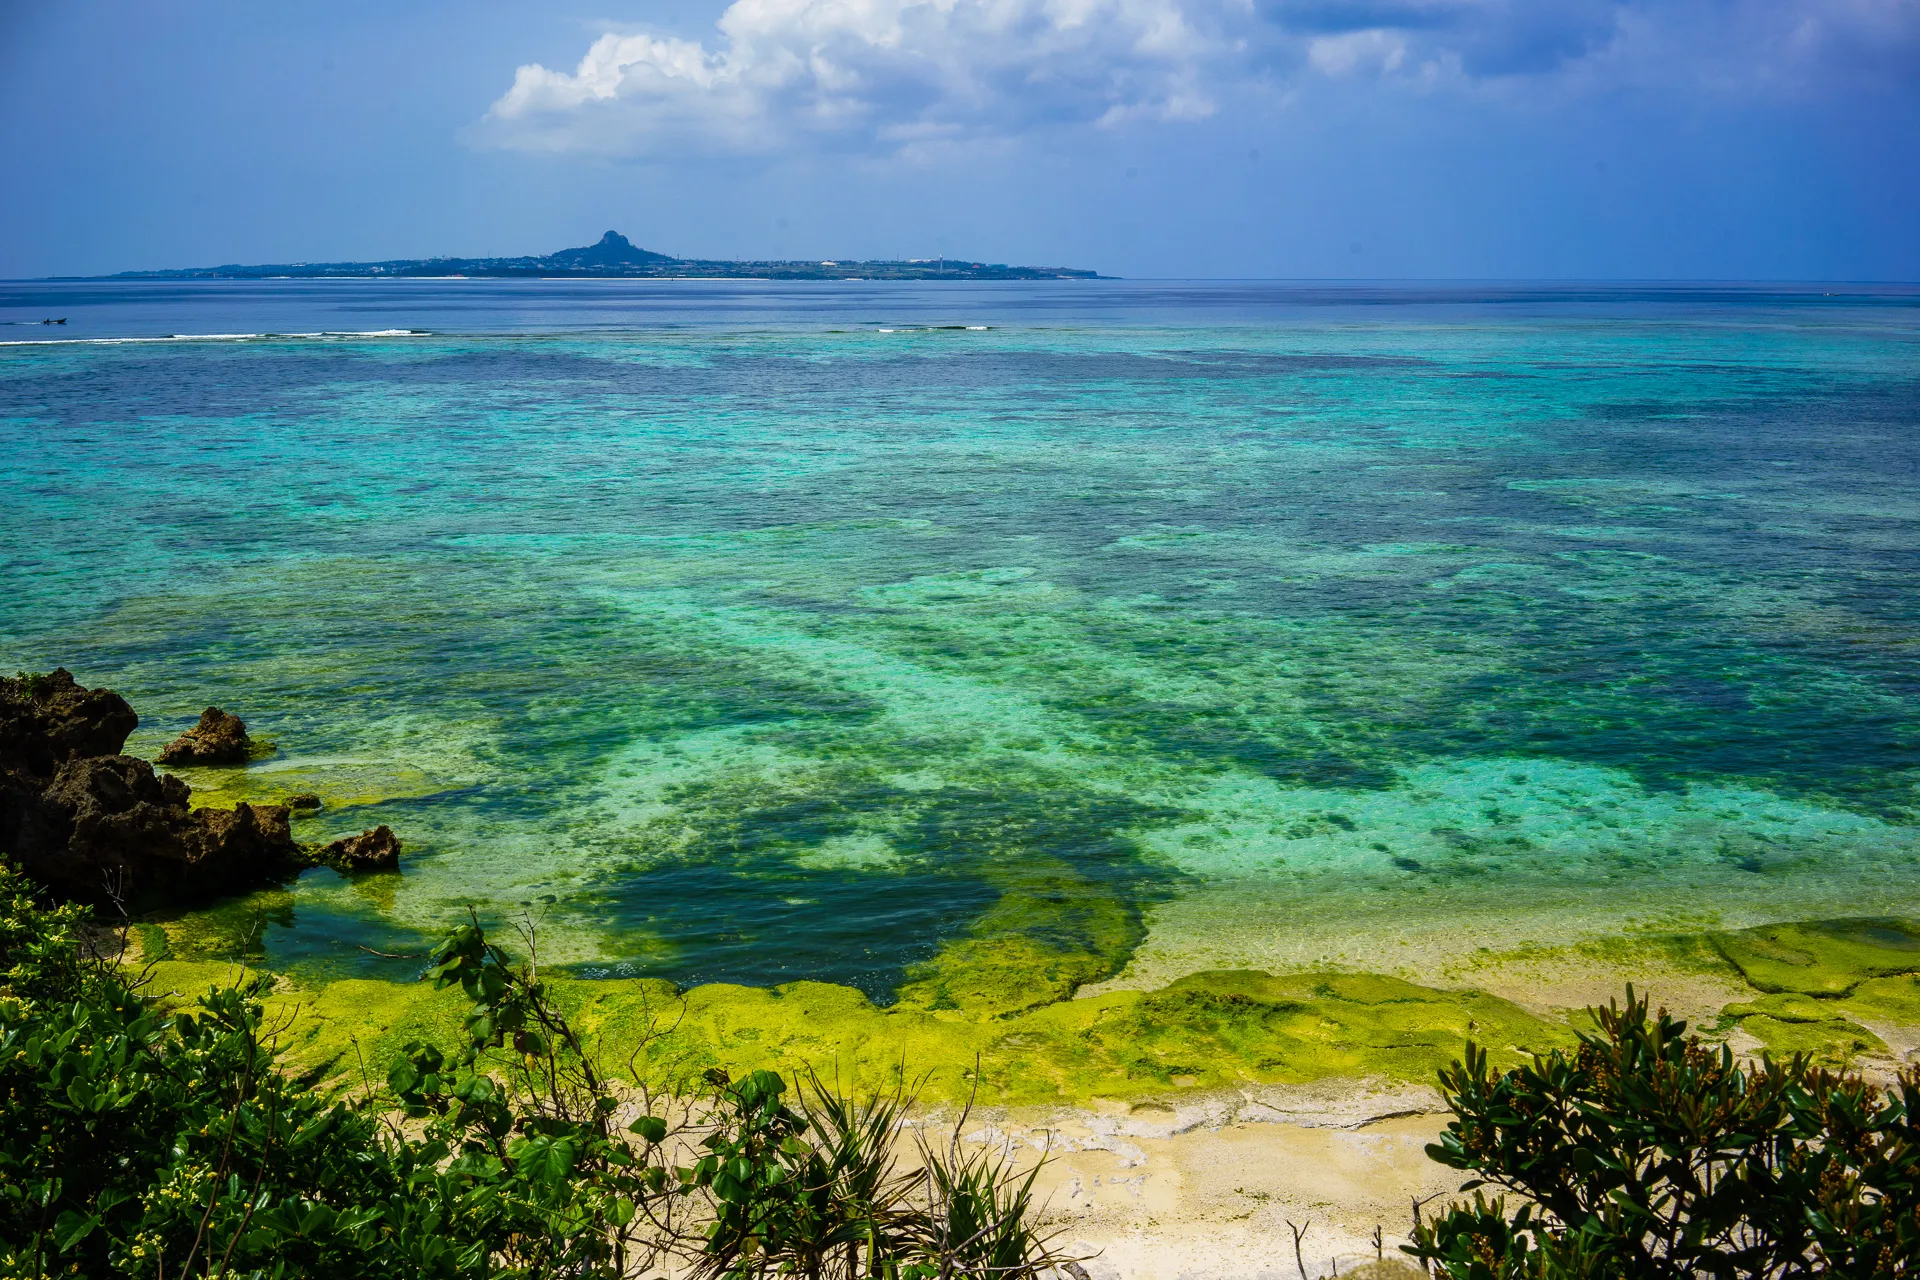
616 256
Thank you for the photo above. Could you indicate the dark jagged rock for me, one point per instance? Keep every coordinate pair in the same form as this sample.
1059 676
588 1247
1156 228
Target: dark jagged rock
129 827
95 825
375 850
218 739
304 801
46 721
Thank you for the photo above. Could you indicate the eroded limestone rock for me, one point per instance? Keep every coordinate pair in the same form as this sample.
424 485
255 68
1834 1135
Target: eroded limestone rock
375 850
46 721
219 738
92 824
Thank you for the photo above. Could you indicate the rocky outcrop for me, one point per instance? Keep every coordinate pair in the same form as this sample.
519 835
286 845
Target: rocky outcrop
218 739
46 721
92 824
375 850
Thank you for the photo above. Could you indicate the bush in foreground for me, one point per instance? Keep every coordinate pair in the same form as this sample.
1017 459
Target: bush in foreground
141 1142
1646 1155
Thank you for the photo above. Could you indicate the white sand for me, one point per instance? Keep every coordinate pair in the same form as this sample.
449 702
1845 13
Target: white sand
1205 1191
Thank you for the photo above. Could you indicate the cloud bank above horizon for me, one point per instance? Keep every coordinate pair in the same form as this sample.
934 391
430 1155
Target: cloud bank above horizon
1614 139
889 76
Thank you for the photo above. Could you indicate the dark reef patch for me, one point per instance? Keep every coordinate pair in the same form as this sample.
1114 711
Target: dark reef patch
741 884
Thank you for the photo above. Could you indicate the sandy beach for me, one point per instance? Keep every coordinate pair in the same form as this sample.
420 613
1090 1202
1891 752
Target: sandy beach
1206 1190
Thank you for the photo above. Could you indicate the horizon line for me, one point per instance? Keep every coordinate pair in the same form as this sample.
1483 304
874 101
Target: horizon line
160 275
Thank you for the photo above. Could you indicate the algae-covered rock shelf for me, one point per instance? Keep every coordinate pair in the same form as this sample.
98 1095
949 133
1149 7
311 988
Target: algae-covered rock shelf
1847 993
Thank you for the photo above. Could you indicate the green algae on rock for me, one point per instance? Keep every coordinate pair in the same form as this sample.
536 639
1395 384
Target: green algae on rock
1845 992
1211 1032
1822 958
994 1016
1211 1027
1892 1001
1790 1023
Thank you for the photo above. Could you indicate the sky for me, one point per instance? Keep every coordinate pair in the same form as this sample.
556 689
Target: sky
1376 139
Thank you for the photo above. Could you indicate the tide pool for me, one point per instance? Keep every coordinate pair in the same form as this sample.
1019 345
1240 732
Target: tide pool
751 636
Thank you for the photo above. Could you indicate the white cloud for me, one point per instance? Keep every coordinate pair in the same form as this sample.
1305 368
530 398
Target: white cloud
895 74
878 70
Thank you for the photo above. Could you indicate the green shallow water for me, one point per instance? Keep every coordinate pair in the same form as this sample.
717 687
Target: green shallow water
1044 653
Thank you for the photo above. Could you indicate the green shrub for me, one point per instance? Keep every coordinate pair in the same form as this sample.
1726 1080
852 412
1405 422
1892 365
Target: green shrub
138 1142
814 1189
141 1142
1646 1154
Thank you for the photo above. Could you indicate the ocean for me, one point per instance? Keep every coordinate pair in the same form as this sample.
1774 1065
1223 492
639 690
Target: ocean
746 632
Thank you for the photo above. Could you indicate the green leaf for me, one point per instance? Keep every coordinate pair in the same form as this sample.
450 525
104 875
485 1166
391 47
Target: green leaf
71 1227
403 1077
541 1159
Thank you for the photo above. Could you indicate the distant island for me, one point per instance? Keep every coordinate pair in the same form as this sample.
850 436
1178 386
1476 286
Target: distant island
617 257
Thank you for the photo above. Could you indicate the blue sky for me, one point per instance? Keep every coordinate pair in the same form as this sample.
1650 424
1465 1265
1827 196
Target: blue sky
1748 139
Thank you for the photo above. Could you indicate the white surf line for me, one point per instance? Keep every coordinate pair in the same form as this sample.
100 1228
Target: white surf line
217 337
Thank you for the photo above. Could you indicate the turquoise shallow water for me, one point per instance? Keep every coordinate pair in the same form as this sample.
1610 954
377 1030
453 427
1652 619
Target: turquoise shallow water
752 635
